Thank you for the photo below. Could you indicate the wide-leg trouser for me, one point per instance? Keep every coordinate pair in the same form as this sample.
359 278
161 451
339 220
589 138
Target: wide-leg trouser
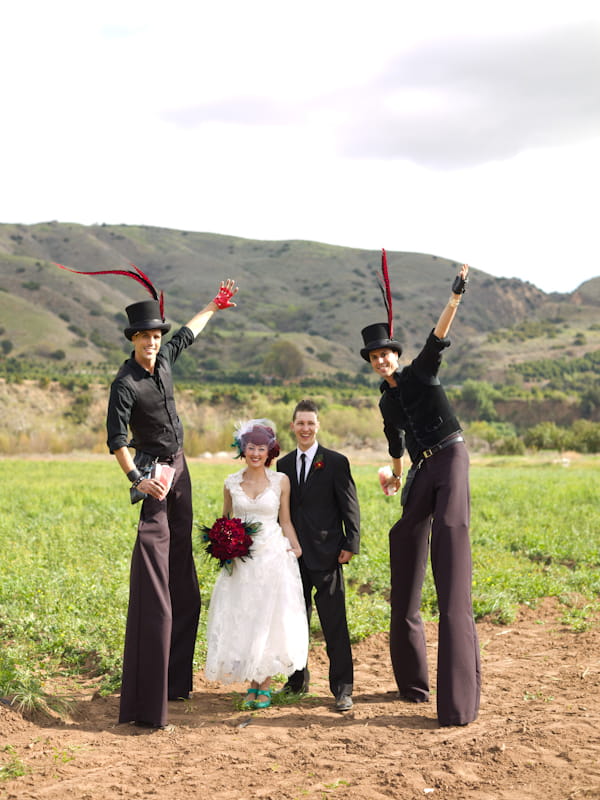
164 606
330 602
438 504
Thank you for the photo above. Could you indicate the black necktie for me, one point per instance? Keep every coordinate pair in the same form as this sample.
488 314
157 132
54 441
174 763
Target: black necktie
302 468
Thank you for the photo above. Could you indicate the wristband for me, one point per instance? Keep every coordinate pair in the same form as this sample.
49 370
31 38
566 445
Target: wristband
459 285
133 474
398 477
221 300
137 482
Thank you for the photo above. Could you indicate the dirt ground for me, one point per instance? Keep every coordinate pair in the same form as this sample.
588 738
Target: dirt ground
538 734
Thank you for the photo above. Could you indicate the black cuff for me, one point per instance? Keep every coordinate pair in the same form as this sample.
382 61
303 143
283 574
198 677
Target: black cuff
459 285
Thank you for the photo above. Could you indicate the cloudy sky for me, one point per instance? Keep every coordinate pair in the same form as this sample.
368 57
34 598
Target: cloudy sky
465 129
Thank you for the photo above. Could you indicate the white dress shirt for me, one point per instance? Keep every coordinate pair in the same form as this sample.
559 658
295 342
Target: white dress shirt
310 454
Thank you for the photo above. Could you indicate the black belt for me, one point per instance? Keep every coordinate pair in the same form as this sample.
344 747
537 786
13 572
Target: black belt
169 459
431 451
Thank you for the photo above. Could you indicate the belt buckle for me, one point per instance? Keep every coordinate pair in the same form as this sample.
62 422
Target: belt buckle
427 453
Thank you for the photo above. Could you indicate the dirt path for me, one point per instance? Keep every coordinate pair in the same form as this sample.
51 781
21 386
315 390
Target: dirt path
538 735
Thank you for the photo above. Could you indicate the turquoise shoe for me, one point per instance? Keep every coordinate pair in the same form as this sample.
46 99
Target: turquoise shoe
263 703
248 704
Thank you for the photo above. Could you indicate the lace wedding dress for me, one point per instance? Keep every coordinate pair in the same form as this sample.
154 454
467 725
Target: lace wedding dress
257 623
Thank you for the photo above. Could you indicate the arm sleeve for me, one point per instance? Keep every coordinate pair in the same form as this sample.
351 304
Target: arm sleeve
395 439
119 413
347 499
427 364
177 344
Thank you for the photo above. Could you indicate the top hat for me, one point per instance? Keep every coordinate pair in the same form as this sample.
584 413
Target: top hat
145 316
376 336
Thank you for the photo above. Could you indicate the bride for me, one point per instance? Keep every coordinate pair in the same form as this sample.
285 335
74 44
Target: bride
257 624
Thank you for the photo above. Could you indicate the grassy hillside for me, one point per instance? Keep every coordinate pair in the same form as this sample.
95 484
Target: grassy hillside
300 309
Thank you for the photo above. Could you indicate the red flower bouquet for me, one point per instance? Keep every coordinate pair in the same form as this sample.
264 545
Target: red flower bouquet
229 538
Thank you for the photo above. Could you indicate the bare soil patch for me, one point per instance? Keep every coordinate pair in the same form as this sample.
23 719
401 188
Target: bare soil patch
538 734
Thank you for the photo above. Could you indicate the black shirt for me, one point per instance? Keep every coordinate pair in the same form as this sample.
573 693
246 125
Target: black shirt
145 403
416 412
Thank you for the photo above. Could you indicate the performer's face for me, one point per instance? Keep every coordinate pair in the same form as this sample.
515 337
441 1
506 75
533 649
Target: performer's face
256 454
146 345
384 361
305 427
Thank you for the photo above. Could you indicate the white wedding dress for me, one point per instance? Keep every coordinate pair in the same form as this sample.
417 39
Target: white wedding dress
257 623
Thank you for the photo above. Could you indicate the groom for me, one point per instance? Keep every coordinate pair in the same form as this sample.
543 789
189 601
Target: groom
325 514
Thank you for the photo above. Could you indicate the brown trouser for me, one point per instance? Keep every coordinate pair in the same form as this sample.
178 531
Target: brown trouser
438 503
164 606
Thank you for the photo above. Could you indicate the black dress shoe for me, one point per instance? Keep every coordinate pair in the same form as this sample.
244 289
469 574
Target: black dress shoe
413 697
297 682
343 702
151 726
288 688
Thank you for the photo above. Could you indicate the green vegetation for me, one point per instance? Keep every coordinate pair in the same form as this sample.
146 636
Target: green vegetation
528 329
67 414
14 768
559 369
314 296
66 547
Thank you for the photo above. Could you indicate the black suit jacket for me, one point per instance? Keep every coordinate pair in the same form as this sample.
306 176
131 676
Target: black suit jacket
325 511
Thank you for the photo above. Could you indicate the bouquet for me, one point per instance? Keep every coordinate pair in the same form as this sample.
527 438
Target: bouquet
229 538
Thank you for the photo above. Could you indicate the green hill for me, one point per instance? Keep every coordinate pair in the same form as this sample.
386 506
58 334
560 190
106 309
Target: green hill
313 296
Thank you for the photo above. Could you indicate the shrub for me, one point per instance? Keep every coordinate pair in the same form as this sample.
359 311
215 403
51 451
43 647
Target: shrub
284 360
586 436
478 397
547 436
509 446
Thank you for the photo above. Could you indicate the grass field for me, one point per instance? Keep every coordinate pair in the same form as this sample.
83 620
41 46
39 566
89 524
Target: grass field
67 532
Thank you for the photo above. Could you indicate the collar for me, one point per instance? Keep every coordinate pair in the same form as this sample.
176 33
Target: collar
310 453
138 370
384 385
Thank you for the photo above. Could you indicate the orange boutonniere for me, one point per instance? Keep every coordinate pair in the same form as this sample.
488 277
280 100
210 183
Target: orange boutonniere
318 462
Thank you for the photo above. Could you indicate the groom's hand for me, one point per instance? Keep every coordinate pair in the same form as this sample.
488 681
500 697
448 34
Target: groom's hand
345 556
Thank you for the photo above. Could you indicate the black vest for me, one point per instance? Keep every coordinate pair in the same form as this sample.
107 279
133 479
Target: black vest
420 408
154 422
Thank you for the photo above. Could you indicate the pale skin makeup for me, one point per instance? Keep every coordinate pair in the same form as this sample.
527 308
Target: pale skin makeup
254 482
385 362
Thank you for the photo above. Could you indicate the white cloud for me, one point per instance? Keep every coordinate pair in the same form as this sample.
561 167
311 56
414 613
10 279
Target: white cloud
453 128
468 101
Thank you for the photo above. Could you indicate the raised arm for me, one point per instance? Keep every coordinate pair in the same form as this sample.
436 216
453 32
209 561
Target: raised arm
222 300
442 328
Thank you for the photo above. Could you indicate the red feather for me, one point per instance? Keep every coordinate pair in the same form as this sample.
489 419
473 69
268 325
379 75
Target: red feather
387 292
147 280
142 279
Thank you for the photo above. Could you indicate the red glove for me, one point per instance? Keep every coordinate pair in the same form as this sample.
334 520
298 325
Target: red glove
223 298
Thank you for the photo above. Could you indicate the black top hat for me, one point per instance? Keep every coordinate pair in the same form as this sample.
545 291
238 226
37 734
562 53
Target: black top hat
145 316
376 336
